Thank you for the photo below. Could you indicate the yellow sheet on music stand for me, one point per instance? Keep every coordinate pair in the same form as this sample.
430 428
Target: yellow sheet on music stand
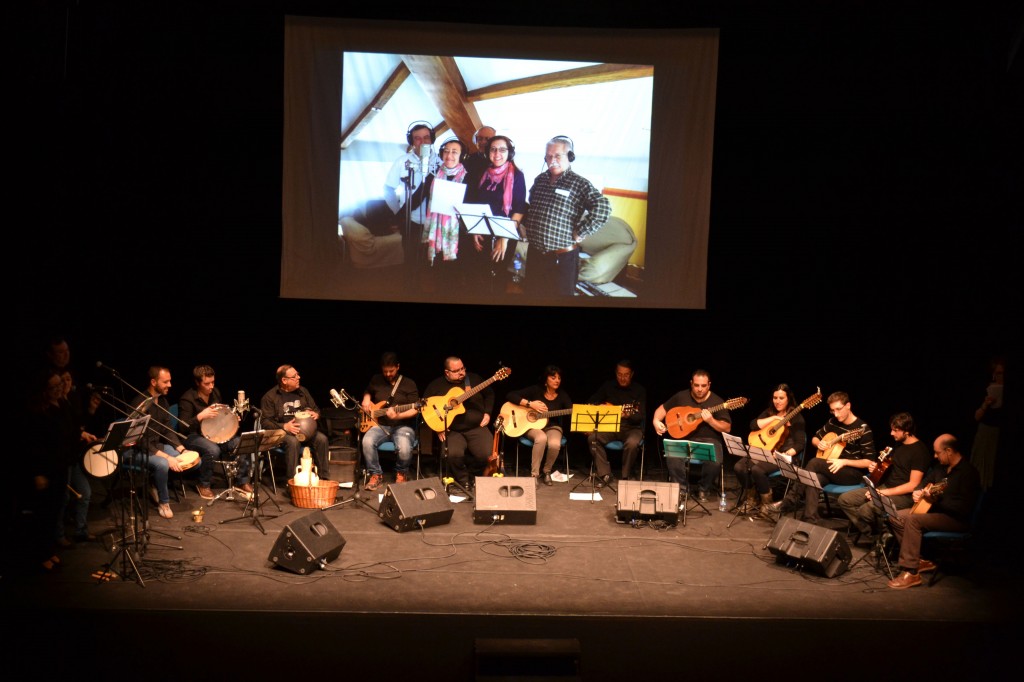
596 417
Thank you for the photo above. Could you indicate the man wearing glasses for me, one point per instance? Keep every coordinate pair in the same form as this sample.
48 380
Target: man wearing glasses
845 448
467 432
291 407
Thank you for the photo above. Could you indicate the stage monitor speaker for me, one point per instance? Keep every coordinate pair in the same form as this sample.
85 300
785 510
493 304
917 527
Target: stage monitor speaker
505 499
309 543
416 504
645 500
806 545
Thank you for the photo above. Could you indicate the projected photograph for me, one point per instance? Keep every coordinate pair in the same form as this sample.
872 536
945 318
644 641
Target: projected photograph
469 176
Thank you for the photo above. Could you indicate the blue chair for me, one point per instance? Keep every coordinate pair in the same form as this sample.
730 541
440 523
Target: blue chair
618 446
951 547
833 489
528 443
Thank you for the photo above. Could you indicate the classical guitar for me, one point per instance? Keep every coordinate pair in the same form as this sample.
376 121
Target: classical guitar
932 489
884 462
518 419
836 443
439 411
773 434
368 418
494 465
682 421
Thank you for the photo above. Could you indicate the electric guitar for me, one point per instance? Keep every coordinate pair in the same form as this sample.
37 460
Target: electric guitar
883 465
932 489
439 411
518 419
835 444
773 434
368 418
682 421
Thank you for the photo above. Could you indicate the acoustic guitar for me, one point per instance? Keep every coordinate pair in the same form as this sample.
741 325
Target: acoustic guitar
439 411
884 462
932 489
682 421
368 418
836 443
518 419
770 436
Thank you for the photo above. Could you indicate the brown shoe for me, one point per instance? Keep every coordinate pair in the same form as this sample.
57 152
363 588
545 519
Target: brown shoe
400 477
376 481
246 488
204 492
925 566
904 580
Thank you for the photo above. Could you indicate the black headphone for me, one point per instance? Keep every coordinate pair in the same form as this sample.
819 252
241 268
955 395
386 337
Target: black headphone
571 155
419 124
511 147
462 148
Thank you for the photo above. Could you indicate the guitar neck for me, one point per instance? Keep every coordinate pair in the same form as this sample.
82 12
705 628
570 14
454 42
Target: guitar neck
381 411
466 395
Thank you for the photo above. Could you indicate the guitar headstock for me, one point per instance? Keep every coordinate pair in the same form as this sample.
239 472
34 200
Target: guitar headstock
884 453
735 403
502 373
629 409
813 400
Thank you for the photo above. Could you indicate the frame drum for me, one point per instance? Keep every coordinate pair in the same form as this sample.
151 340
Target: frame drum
222 427
307 425
100 464
188 459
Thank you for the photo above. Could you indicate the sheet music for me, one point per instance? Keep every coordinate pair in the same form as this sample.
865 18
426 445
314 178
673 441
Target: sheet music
445 194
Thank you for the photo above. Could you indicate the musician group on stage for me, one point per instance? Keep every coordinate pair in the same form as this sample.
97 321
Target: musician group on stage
458 407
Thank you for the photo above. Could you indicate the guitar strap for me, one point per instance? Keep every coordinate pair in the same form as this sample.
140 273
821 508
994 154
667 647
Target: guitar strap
394 389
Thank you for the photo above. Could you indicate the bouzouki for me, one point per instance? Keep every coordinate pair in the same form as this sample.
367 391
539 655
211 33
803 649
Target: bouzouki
773 434
836 443
518 419
933 489
884 462
439 410
682 421
494 464
368 418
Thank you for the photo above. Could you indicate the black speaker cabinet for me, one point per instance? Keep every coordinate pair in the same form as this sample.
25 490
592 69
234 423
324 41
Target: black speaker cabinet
806 545
414 504
647 500
307 544
505 499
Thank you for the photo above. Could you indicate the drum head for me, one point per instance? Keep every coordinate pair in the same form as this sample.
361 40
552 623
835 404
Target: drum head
222 427
100 464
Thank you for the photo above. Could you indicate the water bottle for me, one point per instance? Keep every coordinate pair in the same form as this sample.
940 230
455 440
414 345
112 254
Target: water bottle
721 502
517 269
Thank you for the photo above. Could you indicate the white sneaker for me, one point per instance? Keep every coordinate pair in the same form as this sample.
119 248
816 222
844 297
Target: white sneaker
165 511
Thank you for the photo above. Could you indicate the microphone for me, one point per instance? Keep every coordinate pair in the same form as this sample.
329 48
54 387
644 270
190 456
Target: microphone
241 404
98 387
109 369
425 150
336 399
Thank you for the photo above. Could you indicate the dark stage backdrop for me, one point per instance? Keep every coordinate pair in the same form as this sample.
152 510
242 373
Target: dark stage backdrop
859 236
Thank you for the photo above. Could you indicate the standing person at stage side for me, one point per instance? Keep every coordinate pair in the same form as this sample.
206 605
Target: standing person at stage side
290 406
759 490
565 208
989 417
502 186
853 460
545 396
477 162
468 432
389 390
622 391
709 430
908 462
200 403
952 489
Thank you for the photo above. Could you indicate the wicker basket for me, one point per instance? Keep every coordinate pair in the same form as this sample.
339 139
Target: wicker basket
313 496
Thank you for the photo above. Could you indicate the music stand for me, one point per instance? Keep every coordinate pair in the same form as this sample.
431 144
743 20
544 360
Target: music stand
887 508
594 418
252 443
748 453
486 224
690 450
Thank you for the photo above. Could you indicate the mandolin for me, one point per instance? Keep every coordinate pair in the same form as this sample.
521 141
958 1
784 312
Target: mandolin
884 462
518 419
368 418
439 411
931 490
682 421
773 434
494 464
836 443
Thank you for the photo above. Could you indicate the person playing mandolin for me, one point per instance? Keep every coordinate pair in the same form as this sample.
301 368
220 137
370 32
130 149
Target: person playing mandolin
544 397
714 422
845 448
389 407
291 407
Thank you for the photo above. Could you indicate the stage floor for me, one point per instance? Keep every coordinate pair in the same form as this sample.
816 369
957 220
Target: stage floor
630 596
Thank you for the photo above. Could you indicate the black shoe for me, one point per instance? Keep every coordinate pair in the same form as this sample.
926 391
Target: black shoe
547 478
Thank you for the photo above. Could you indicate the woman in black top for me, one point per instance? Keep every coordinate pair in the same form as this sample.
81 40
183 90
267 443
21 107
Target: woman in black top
544 397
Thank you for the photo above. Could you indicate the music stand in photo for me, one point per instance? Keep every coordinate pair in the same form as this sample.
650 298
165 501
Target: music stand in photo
690 451
749 454
594 418
251 444
477 219
887 508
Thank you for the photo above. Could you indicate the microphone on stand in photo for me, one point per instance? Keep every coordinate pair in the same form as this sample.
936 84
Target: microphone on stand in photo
241 404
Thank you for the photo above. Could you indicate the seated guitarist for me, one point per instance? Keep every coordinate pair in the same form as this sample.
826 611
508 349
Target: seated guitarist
792 440
388 391
467 432
544 397
709 431
622 391
853 461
